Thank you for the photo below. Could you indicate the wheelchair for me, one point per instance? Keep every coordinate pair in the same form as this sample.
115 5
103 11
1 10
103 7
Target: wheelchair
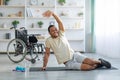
24 46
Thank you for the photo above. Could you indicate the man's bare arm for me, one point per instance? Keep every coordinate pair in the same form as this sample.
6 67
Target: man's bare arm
46 56
59 21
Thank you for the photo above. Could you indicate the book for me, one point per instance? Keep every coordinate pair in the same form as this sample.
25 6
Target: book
29 14
33 12
36 12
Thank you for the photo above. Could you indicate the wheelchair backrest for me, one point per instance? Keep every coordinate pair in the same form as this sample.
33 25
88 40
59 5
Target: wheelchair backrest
21 34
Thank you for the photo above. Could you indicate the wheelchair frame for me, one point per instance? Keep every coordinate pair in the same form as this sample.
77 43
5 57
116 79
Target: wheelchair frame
23 48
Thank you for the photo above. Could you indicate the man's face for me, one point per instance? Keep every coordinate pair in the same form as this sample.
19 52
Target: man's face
53 32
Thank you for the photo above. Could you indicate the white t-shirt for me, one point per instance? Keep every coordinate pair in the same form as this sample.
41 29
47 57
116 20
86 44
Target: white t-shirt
60 47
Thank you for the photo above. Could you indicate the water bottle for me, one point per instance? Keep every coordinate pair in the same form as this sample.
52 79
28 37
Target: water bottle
27 68
19 69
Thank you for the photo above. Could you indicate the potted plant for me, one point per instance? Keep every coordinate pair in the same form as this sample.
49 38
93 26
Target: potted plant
62 2
40 23
1 14
80 14
6 2
15 23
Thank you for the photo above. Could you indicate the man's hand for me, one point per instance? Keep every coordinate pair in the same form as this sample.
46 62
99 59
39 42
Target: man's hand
43 68
47 13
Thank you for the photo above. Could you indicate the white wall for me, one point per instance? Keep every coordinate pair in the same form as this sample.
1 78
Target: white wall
107 24
88 40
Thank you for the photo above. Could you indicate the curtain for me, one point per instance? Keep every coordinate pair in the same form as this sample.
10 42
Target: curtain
107 27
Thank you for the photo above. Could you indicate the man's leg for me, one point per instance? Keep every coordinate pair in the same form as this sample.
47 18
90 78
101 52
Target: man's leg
86 67
91 62
86 63
80 66
80 58
97 63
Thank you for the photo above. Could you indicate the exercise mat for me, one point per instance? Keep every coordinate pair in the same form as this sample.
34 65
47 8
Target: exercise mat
65 69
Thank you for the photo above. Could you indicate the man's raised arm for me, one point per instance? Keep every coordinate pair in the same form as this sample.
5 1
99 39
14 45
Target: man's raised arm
59 21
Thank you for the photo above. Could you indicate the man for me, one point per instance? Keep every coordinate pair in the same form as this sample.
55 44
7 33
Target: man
63 52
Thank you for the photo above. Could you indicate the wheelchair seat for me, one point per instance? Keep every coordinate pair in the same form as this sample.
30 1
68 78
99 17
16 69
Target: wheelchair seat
32 39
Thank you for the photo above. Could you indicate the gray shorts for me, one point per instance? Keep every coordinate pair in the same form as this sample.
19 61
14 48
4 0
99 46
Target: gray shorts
76 61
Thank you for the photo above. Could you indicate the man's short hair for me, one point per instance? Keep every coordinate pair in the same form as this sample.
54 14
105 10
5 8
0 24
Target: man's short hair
50 27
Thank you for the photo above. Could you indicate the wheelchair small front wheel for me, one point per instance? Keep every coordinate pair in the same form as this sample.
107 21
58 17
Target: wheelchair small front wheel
33 61
16 50
32 53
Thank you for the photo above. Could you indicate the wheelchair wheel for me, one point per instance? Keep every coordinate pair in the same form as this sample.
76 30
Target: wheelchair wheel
33 61
32 53
16 50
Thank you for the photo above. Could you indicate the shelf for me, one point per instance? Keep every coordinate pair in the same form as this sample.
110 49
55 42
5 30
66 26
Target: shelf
9 29
37 6
66 17
75 39
46 29
42 29
38 18
5 40
69 6
52 18
35 29
62 17
41 40
12 17
31 29
74 29
12 6
5 29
